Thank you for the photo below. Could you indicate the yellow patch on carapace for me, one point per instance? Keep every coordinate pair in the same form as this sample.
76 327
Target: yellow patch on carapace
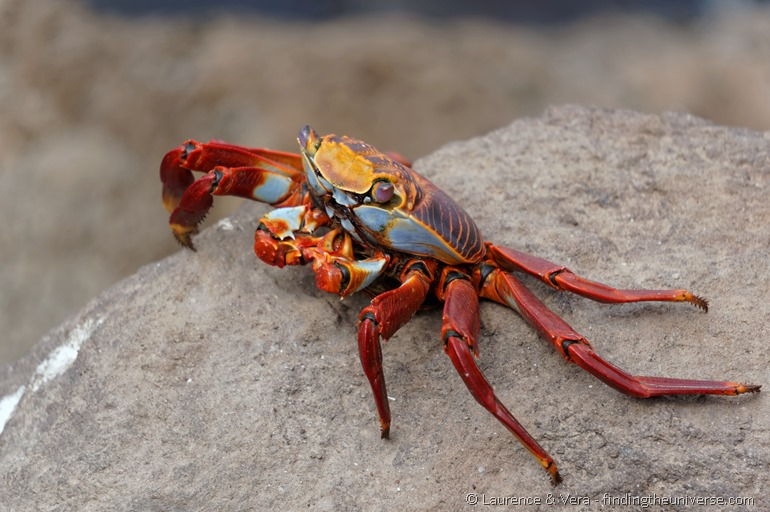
343 167
354 166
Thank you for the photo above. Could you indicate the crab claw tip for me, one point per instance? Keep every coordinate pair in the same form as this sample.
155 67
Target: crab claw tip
175 178
170 200
183 235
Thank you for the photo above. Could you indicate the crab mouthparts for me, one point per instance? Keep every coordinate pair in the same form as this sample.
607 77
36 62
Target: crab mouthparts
336 209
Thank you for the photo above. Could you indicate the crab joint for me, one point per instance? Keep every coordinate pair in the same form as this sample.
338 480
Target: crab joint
343 277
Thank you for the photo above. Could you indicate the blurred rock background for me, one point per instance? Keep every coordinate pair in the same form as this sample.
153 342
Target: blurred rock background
90 100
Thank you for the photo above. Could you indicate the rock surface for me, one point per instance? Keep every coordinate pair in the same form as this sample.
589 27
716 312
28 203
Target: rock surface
209 381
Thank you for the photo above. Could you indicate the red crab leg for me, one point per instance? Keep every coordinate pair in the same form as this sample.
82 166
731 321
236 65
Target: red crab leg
175 179
248 182
506 289
459 331
177 164
262 175
562 278
191 210
386 313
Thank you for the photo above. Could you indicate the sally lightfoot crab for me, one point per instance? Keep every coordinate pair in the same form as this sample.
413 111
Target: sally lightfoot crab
364 220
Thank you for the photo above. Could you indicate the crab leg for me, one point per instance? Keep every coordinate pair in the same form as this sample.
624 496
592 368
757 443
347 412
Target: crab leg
386 313
505 288
562 278
460 329
191 210
254 183
177 164
340 275
262 175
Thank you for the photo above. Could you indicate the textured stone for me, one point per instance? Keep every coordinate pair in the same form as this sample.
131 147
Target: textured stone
209 381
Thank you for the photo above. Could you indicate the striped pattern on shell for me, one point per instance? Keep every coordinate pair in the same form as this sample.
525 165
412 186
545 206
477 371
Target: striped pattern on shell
439 211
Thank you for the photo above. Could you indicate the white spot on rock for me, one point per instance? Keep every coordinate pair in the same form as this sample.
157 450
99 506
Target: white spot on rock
8 405
64 355
225 224
57 362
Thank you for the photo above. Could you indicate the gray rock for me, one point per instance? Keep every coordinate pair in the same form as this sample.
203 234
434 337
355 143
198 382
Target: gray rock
209 381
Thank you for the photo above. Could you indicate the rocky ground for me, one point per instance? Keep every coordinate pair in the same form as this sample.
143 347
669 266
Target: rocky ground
209 381
89 104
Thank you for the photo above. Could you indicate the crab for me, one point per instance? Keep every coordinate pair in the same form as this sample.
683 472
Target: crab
365 220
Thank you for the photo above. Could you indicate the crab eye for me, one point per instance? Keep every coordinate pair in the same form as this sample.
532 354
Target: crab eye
382 192
308 136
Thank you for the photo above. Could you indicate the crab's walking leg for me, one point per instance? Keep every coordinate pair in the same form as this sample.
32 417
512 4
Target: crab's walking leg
459 331
562 278
386 313
506 289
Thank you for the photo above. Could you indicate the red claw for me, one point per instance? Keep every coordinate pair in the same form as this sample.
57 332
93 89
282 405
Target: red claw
236 170
277 252
174 177
193 207
328 276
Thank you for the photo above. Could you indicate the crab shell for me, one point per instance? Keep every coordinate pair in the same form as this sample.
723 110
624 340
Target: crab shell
384 204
